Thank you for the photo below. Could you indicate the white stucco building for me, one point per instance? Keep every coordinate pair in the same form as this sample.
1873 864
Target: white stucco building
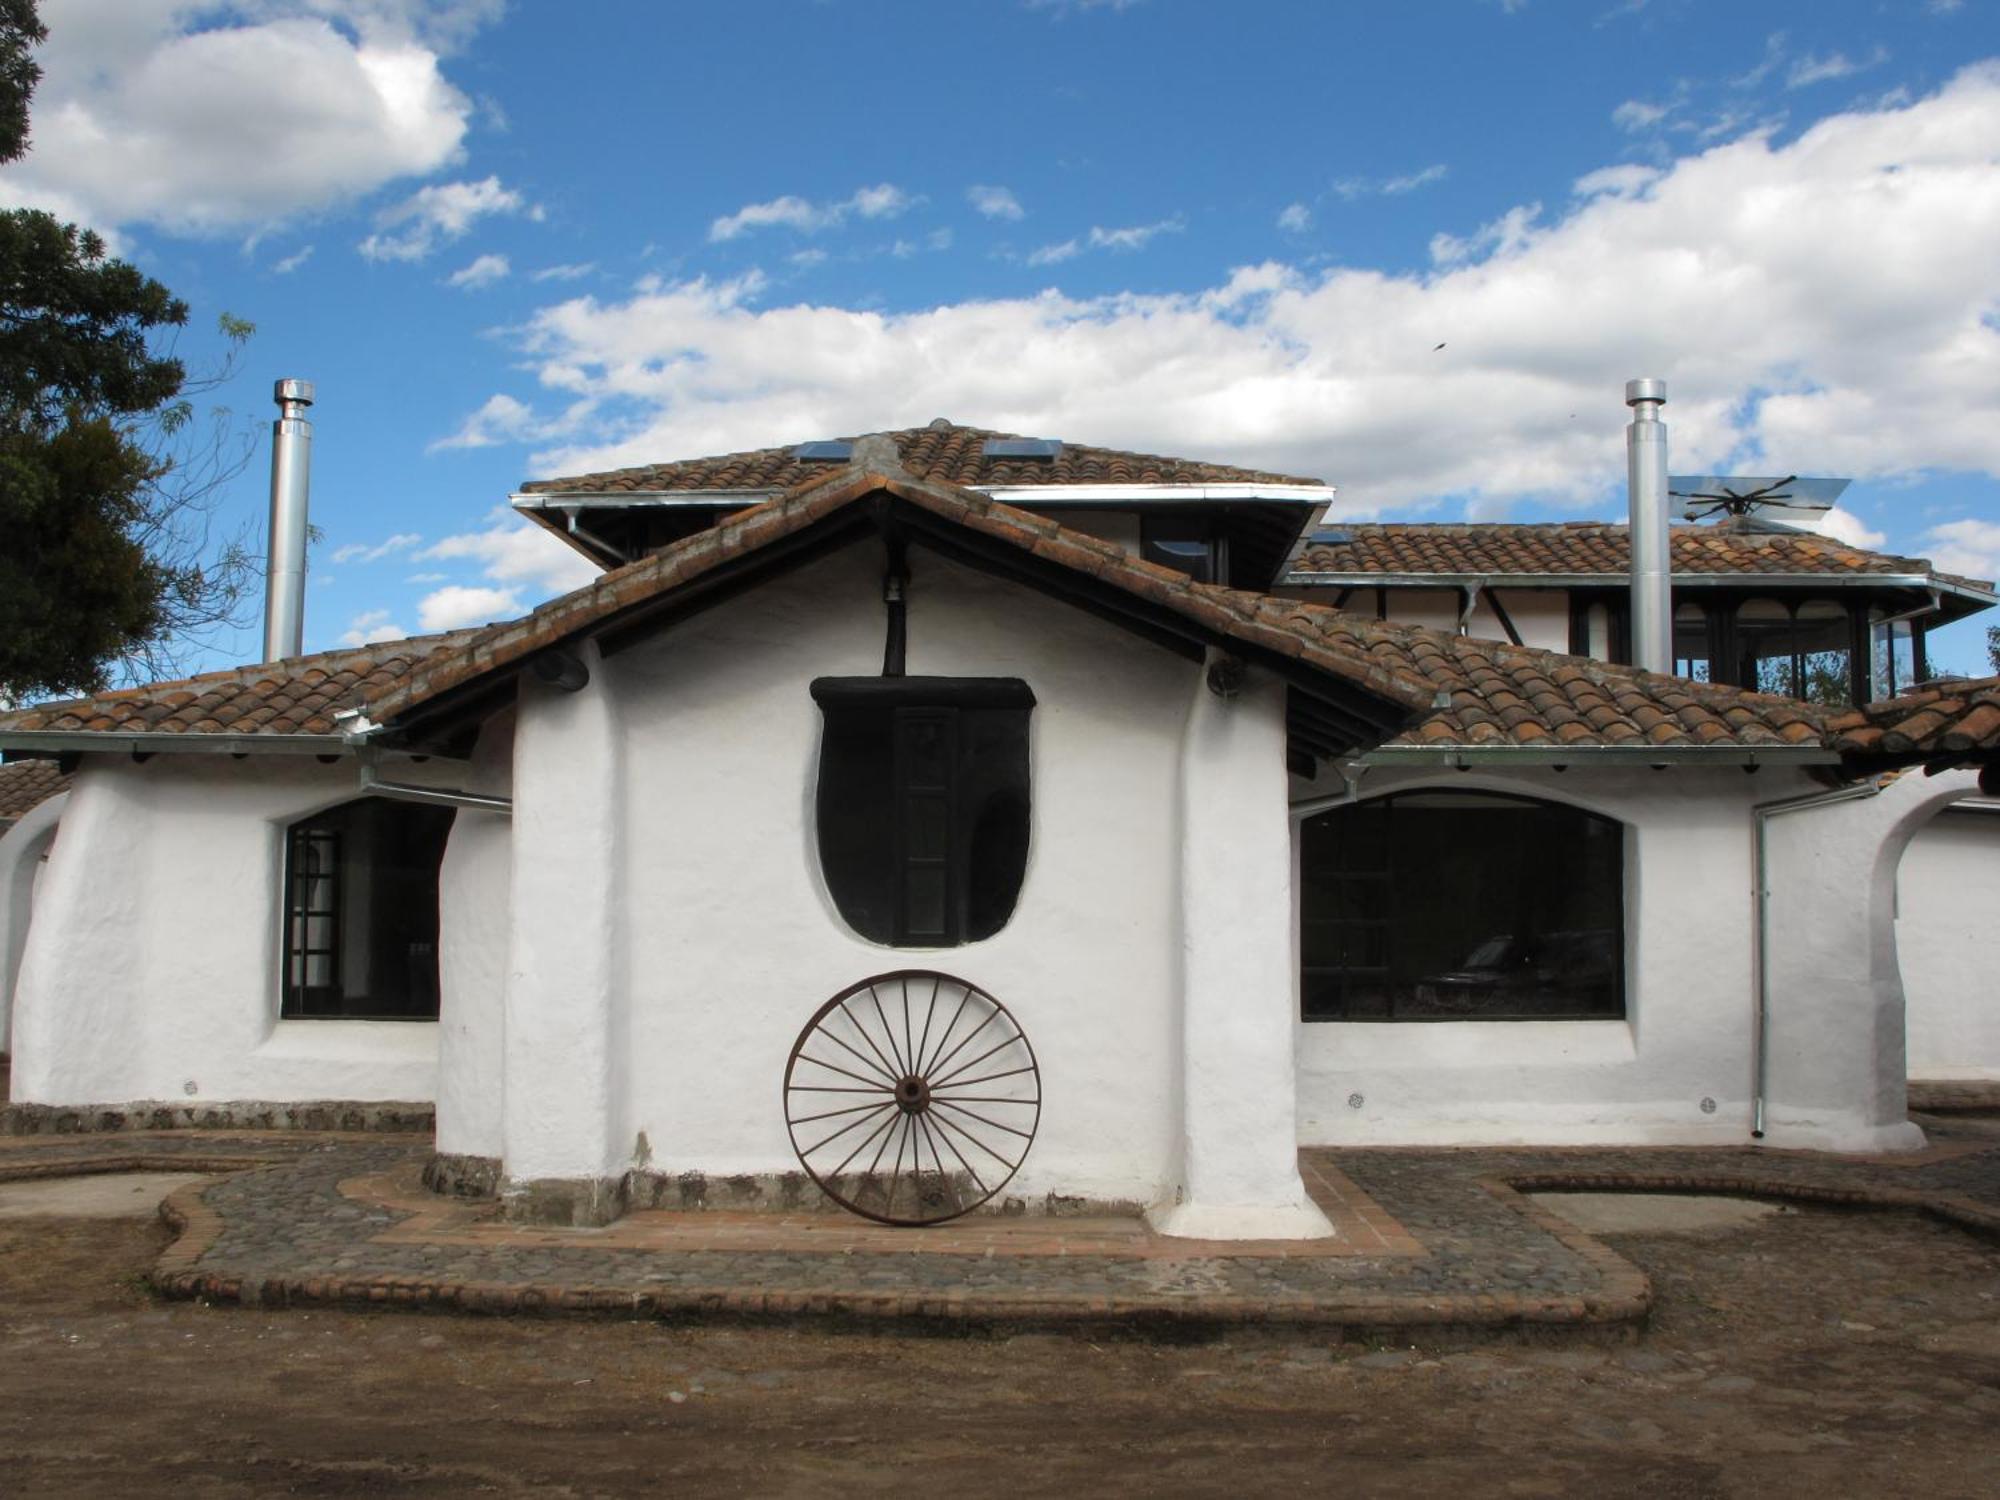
1244 870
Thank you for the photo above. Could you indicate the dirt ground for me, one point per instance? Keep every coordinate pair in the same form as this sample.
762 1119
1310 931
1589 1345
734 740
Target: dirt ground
1811 1354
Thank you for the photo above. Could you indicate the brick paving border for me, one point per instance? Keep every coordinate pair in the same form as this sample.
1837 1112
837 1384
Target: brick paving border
1463 1251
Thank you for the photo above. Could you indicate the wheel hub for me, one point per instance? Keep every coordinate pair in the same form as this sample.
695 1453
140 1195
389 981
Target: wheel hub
913 1095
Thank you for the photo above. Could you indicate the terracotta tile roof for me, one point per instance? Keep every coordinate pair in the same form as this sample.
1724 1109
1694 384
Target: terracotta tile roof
24 786
1938 721
947 455
1593 547
1517 696
1453 691
1228 613
296 696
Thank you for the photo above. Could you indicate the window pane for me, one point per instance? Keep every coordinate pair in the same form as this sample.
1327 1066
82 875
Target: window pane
1825 635
1691 648
361 928
1187 545
1487 907
1764 647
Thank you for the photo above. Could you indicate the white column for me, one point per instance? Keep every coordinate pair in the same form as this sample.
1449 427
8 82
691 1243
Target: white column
1239 1127
1835 1072
562 1159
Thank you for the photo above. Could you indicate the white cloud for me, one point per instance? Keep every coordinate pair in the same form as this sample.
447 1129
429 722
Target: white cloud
371 626
1132 237
1391 187
458 605
1824 305
1812 68
1841 524
433 215
292 262
204 117
995 202
573 272
883 201
362 552
1295 219
518 554
481 272
503 419
1970 548
1637 114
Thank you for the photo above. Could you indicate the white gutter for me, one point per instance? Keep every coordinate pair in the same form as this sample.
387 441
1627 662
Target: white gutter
1761 816
1101 494
1463 757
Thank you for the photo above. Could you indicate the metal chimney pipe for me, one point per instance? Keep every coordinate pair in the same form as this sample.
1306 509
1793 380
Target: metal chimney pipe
285 567
1652 558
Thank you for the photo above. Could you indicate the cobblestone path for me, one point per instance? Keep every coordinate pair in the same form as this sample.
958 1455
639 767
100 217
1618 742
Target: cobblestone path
304 1217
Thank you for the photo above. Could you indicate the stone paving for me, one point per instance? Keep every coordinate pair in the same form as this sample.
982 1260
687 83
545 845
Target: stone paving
1432 1239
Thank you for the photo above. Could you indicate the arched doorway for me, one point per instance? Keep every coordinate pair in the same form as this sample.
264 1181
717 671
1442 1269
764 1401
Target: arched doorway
1947 894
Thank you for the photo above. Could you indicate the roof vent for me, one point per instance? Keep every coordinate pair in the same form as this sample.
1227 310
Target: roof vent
832 451
1332 538
1042 448
942 424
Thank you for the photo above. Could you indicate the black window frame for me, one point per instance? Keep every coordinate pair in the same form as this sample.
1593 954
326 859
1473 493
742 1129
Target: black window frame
924 805
1373 919
1158 531
323 853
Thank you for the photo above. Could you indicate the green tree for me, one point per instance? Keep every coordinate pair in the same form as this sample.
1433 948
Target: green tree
1993 647
108 482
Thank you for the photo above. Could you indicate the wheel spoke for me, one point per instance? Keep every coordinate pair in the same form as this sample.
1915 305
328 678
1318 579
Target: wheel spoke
850 1125
983 1191
889 1202
1028 1099
966 1083
975 1062
964 997
974 1114
844 1072
835 1113
888 1031
827 1032
887 1066
885 1125
991 1016
924 1044
950 1128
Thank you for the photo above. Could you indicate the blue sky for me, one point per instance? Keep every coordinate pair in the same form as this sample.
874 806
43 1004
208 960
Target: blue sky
511 240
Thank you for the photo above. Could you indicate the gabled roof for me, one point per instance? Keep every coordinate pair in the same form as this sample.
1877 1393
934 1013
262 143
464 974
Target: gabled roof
1366 699
1405 688
1947 723
943 452
293 700
1578 551
24 786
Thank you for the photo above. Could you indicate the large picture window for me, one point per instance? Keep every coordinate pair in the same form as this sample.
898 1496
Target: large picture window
1446 906
922 804
361 912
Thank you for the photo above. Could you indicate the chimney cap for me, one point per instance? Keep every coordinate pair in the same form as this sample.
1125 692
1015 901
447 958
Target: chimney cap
1645 390
300 391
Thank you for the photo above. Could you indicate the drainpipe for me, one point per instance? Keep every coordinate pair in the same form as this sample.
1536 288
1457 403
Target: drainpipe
1761 816
285 566
1652 559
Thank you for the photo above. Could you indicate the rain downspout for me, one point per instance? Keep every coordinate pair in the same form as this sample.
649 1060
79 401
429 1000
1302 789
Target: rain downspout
1761 815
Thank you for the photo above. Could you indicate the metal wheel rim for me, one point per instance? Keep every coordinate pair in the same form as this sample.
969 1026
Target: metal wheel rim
908 1044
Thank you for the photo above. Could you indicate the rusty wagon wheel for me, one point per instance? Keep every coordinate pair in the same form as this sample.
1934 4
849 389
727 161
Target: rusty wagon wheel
912 1097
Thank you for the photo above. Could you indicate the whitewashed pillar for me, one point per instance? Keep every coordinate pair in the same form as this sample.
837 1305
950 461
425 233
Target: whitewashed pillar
1239 1129
562 1158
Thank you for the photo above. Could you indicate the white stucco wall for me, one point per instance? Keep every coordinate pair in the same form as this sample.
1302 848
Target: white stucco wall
1948 944
474 890
730 940
23 848
151 967
1689 997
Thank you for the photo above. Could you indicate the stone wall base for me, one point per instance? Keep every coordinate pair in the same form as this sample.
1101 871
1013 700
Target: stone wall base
578 1202
597 1201
399 1118
455 1175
